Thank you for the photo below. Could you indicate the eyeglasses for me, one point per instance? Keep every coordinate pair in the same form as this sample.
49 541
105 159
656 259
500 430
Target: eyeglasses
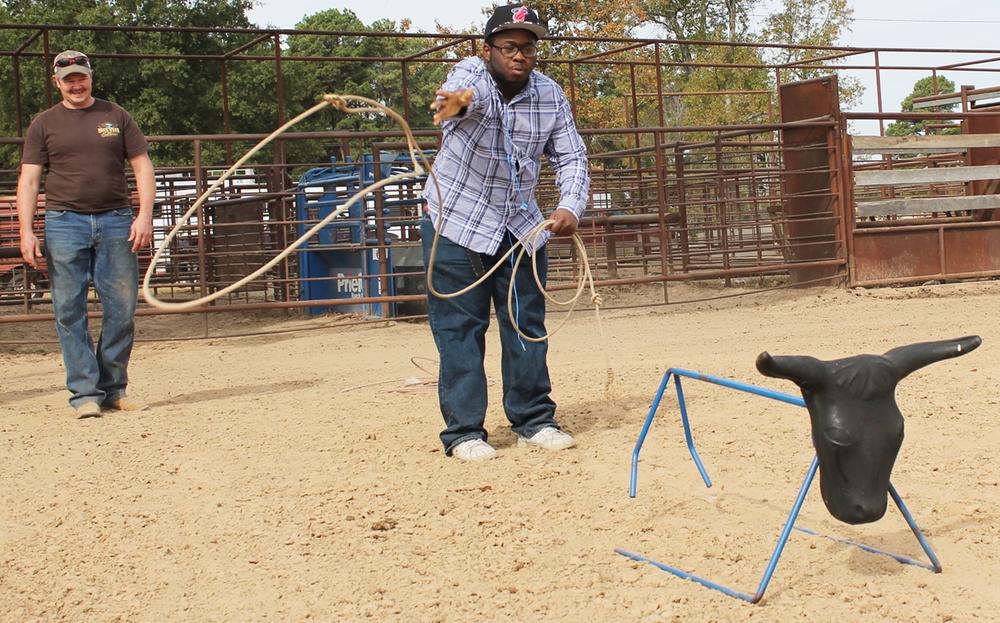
73 60
529 50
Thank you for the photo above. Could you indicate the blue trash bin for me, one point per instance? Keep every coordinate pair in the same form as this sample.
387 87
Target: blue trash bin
336 263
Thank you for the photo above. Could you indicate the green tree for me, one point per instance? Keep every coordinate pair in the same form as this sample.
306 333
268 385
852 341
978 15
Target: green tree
174 96
923 88
380 80
812 23
704 67
165 96
700 20
747 91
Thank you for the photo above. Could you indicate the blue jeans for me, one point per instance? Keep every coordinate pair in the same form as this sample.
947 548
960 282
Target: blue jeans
459 326
78 248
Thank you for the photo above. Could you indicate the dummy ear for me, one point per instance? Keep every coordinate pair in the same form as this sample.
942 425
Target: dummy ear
799 370
906 359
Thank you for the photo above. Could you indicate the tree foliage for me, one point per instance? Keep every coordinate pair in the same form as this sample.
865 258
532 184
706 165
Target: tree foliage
165 96
813 24
696 68
377 79
171 96
923 88
184 96
699 20
380 80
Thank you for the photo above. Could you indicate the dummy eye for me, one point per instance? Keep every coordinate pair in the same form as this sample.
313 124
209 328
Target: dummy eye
837 436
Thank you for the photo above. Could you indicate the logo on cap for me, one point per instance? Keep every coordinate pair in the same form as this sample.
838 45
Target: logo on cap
515 16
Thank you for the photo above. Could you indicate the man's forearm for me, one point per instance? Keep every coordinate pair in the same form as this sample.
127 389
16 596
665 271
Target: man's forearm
147 195
27 203
145 184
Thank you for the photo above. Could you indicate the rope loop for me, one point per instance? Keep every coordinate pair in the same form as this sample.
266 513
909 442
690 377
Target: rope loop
353 104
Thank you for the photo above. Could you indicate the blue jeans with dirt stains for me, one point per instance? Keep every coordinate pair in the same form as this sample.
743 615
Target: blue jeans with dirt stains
459 327
80 248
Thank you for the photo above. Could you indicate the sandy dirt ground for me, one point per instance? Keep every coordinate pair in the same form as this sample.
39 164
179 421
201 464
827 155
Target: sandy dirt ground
298 476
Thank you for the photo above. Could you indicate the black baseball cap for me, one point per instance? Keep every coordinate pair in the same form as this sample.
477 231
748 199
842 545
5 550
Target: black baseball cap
515 17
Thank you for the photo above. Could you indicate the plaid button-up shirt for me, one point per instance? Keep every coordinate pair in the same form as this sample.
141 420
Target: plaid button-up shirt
489 161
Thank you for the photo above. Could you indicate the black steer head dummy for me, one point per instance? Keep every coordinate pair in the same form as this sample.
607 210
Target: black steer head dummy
857 428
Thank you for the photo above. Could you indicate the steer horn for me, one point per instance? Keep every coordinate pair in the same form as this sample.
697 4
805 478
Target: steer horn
798 369
907 359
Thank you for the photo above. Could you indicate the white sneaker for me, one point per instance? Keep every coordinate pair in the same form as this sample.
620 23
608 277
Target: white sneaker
550 438
474 450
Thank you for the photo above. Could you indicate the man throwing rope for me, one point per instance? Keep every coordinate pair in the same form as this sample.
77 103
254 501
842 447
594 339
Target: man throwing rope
498 117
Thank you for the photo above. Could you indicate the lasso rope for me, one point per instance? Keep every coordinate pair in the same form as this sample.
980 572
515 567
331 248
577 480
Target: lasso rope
354 104
341 102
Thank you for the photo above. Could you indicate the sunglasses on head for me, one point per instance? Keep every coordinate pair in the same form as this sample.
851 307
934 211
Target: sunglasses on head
73 60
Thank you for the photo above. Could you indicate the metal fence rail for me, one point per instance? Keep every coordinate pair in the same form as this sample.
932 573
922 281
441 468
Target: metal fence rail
674 211
734 204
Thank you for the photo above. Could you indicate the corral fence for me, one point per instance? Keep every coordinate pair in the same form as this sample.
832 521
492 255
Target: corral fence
791 196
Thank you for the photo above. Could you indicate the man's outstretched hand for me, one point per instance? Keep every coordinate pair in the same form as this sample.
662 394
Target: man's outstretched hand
450 103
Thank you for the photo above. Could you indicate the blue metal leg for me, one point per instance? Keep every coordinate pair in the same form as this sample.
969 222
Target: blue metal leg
936 564
685 575
771 565
708 378
687 432
643 432
792 516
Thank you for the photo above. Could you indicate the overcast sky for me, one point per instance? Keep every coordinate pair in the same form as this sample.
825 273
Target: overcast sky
886 24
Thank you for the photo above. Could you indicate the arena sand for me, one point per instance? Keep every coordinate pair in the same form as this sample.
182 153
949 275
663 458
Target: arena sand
268 480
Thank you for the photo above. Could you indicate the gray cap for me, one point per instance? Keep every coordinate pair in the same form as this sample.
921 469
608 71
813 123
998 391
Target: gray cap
70 62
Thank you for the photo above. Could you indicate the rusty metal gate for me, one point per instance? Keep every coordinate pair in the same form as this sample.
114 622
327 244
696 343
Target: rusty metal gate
925 206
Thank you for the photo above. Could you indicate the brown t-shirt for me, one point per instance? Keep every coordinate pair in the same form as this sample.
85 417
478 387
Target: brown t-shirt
85 151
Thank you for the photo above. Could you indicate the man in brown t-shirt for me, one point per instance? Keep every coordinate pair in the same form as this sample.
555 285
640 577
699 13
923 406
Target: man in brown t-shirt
90 232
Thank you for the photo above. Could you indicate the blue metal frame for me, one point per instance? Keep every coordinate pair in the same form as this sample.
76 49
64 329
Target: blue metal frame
677 373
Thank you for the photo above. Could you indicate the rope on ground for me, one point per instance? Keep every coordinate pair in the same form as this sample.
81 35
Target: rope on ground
409 384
